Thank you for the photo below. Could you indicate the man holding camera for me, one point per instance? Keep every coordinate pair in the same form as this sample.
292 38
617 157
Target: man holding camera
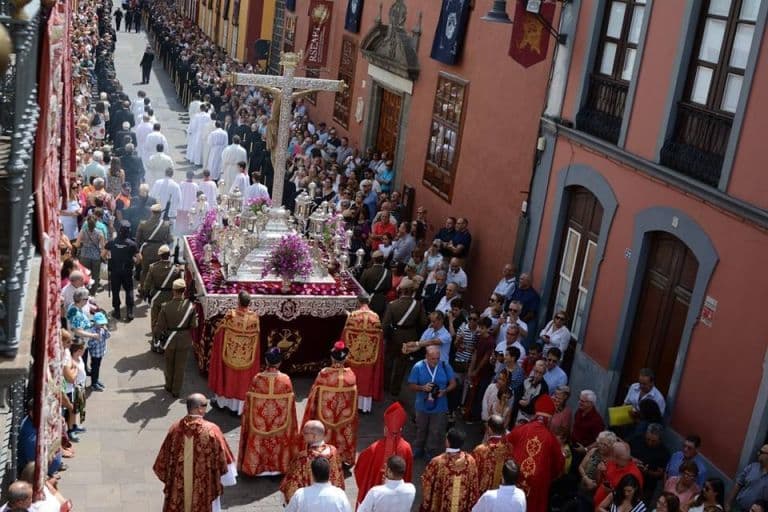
431 379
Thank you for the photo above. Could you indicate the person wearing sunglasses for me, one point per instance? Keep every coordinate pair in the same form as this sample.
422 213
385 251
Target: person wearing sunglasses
556 333
711 498
554 376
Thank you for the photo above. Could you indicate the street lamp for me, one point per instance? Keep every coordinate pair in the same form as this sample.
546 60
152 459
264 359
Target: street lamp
498 12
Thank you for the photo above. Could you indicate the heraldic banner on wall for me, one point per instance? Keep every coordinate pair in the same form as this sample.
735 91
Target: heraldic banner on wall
530 37
354 13
318 37
290 5
450 31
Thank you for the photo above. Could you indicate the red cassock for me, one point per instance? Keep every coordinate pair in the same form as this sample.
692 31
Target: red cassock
269 432
363 336
490 457
235 354
299 472
193 458
449 483
540 459
333 401
369 470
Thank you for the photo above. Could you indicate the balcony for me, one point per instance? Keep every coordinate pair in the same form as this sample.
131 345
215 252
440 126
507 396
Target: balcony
698 144
18 123
603 111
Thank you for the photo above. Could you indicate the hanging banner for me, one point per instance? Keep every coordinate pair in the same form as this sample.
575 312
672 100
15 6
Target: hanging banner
318 36
290 5
450 31
530 37
354 13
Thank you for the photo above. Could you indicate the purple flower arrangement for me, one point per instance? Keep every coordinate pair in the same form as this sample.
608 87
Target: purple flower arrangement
257 204
335 227
203 235
290 258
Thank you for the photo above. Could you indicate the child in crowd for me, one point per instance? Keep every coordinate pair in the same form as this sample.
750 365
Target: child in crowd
97 348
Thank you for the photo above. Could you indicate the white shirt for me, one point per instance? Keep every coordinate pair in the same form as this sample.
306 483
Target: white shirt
506 498
557 337
506 287
166 190
633 397
393 496
460 278
242 182
210 190
444 306
142 130
502 336
188 195
319 498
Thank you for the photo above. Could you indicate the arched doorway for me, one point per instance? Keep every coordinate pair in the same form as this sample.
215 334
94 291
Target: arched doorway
662 309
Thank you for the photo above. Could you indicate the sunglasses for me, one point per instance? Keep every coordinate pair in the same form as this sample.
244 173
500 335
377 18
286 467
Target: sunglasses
514 310
558 317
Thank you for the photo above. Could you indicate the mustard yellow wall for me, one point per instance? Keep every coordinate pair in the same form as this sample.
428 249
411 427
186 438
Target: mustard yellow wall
206 22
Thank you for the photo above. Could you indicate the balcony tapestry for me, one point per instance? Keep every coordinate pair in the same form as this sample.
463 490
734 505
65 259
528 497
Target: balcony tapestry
318 36
530 38
450 31
50 172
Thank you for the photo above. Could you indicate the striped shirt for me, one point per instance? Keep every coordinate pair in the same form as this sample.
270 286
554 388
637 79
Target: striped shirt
467 339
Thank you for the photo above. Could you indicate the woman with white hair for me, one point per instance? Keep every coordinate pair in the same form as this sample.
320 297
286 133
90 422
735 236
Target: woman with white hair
591 476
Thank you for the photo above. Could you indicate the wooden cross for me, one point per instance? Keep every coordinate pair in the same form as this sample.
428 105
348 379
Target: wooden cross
284 90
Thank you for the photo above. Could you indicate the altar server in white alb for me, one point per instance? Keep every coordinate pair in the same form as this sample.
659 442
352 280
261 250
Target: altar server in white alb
154 138
209 188
158 163
143 129
195 130
206 131
217 141
168 195
189 191
242 182
230 157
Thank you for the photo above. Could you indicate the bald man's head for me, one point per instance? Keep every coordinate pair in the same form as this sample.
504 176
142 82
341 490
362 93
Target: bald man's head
313 432
196 401
19 495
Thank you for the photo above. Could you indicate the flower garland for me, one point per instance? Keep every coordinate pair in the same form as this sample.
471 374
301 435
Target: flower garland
289 259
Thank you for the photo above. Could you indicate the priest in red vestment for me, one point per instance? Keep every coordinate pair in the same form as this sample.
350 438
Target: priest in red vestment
333 401
269 436
491 455
538 454
449 482
194 462
234 355
372 462
299 472
363 335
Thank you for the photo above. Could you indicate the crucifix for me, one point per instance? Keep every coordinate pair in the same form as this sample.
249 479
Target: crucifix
284 89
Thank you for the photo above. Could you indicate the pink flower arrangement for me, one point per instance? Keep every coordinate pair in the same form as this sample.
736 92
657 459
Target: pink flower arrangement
290 258
257 204
205 230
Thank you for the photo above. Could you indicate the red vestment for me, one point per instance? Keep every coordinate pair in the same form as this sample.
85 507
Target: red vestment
269 430
333 401
369 470
449 483
540 458
193 458
363 336
490 457
613 474
299 473
235 354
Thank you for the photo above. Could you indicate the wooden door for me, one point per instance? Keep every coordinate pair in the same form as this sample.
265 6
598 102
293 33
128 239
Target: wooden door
665 297
576 263
389 122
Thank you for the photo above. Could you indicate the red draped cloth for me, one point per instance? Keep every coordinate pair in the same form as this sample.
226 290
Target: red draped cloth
269 432
299 473
449 483
333 401
363 336
193 458
540 458
235 354
490 457
369 470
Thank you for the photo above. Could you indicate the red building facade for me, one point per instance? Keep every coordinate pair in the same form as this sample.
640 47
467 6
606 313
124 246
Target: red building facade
461 135
649 210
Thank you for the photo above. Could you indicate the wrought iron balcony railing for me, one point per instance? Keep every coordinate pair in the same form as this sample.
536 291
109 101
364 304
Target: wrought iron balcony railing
603 111
18 122
698 143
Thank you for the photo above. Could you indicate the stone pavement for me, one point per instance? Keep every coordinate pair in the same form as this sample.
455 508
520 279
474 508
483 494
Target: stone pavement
112 469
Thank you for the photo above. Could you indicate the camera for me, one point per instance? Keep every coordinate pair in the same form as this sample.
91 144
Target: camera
435 393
